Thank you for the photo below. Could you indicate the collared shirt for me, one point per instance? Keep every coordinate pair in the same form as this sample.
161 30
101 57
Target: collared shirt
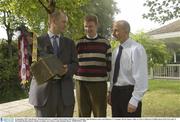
51 37
133 69
92 37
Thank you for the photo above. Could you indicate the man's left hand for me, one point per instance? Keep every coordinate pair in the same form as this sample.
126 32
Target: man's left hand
131 108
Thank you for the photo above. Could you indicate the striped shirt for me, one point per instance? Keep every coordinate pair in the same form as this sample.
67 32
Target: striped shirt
94 59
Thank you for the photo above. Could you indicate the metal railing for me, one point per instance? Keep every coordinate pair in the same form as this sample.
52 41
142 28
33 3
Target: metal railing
169 71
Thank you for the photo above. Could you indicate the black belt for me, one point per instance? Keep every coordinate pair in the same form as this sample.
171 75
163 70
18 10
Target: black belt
127 87
55 80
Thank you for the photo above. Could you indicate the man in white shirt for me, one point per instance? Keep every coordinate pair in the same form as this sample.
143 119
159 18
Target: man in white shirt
129 77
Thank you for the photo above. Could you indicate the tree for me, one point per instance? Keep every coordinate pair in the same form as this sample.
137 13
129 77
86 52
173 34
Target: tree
33 15
156 50
162 10
9 22
30 13
104 10
37 16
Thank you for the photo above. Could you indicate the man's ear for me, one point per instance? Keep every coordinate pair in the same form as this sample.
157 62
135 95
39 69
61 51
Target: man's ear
53 20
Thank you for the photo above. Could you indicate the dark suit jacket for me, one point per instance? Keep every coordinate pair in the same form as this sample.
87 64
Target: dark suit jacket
38 94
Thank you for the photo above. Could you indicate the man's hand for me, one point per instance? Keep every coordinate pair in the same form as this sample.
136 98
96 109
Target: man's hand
131 108
109 98
65 69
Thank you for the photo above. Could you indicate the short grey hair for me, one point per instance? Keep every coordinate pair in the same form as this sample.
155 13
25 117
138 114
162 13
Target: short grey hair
125 25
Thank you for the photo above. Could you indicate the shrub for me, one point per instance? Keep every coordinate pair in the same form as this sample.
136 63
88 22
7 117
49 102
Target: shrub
10 88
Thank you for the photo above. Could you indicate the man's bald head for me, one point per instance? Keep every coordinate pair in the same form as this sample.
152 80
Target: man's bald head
124 24
57 14
57 22
121 30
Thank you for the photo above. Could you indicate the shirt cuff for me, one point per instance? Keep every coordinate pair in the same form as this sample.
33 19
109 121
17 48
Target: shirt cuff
134 102
110 87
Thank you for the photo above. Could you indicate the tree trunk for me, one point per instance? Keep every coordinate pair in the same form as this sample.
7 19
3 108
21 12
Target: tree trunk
9 49
9 36
9 32
51 6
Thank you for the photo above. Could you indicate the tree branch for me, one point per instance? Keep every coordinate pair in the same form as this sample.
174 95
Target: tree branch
49 12
4 19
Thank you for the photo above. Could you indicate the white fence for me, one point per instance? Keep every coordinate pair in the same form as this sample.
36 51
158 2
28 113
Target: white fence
169 71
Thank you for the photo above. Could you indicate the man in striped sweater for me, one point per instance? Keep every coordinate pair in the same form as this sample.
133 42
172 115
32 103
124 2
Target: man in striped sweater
94 59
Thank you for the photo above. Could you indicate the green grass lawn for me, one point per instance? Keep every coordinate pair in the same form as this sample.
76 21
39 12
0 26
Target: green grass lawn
161 100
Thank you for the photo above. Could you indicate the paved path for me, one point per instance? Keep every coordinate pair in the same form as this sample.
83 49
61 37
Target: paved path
14 107
23 105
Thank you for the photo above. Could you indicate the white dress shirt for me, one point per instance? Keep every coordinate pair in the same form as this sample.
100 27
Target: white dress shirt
133 69
57 40
51 37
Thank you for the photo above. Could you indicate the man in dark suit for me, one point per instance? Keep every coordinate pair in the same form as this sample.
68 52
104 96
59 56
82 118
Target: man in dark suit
55 97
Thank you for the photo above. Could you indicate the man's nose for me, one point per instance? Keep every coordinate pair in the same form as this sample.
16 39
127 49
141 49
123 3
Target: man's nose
86 28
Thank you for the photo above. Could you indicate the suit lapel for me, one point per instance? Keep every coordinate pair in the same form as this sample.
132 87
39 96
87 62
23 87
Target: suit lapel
48 44
61 44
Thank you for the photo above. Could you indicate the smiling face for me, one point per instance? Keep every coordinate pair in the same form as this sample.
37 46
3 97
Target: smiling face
121 31
91 25
90 28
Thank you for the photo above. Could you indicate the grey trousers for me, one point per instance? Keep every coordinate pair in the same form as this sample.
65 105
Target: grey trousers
54 106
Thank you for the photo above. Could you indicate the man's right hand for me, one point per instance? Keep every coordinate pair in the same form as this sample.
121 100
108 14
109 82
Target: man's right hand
109 98
65 69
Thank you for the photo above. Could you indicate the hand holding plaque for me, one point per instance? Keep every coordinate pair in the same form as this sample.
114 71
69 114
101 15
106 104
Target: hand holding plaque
47 68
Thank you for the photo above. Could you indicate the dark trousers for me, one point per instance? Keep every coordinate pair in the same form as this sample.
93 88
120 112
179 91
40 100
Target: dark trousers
120 97
91 97
54 106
